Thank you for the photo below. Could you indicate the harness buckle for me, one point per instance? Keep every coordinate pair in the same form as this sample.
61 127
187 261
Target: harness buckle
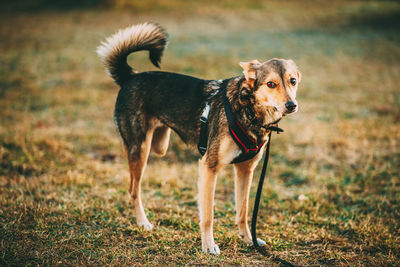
204 115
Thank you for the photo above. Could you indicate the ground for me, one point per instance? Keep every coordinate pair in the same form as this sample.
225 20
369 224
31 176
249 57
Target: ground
333 187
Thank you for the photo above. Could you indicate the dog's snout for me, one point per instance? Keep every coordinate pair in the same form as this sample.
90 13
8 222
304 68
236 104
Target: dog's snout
290 105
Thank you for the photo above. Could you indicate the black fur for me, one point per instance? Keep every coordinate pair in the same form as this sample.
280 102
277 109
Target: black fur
174 99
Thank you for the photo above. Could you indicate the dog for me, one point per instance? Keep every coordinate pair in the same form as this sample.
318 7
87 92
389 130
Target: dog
150 104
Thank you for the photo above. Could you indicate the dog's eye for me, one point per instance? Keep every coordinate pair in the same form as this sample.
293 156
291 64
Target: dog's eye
293 81
271 84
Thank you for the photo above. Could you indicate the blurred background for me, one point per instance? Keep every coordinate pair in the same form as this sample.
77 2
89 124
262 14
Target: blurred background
332 196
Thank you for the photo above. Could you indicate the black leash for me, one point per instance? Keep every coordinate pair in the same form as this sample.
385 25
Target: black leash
262 249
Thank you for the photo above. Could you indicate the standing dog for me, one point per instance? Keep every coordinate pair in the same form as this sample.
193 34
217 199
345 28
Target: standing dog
150 104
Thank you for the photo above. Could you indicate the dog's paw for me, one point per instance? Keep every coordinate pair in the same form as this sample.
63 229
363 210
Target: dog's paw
249 241
147 226
261 242
213 249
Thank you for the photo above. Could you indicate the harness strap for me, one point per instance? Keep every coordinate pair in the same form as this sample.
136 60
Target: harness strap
247 144
202 145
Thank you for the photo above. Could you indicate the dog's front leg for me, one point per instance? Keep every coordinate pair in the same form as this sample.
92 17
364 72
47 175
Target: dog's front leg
207 181
243 176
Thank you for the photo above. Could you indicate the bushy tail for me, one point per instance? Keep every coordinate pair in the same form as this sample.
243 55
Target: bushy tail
115 49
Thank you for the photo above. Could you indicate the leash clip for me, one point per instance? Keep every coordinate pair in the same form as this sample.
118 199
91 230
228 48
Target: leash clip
276 129
273 128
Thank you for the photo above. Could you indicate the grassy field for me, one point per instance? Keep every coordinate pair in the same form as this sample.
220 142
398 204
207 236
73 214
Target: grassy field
332 197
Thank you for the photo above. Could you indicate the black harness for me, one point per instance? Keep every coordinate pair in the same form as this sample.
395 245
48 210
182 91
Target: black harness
248 146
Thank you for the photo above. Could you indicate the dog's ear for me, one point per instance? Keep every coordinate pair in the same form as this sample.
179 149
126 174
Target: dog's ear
250 70
298 76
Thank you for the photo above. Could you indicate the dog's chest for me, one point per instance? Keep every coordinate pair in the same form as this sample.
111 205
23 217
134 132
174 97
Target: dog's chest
229 150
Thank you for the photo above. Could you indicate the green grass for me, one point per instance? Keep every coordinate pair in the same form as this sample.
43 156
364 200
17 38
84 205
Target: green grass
332 197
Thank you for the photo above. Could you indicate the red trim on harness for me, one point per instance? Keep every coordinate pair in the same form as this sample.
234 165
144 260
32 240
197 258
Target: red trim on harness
254 149
251 139
244 147
246 150
257 148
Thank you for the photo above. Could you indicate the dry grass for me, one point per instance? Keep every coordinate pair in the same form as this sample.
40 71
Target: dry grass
63 174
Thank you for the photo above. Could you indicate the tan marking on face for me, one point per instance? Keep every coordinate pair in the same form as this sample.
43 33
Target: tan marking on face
271 96
291 73
270 102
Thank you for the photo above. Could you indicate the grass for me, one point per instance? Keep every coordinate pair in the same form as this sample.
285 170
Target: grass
334 188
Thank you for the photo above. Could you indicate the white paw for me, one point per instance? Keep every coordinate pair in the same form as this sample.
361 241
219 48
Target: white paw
147 226
213 249
261 242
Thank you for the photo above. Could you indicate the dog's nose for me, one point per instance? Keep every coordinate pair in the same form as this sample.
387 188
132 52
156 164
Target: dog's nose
290 106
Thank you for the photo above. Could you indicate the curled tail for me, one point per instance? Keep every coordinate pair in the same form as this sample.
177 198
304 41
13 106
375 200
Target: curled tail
115 49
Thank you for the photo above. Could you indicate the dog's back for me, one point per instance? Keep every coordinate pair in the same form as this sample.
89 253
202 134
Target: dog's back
175 99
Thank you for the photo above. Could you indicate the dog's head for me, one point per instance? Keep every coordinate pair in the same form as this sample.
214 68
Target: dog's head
273 86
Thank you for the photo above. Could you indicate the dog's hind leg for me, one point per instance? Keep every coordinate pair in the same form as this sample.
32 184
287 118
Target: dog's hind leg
137 133
159 143
243 176
137 164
